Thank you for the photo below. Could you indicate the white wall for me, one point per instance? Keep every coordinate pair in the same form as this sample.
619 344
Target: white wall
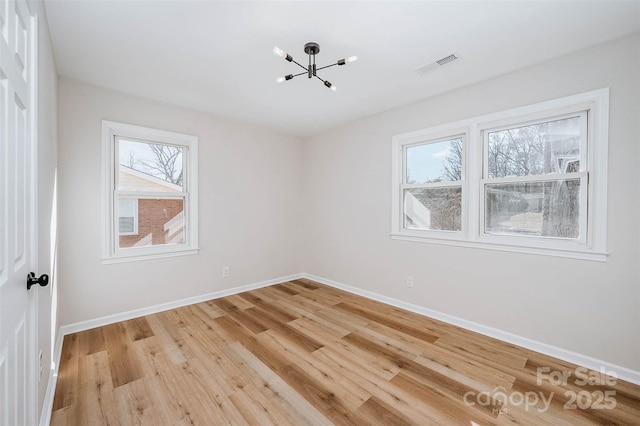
249 182
588 307
47 122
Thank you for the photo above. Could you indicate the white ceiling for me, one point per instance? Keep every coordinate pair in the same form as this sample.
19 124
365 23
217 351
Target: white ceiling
216 56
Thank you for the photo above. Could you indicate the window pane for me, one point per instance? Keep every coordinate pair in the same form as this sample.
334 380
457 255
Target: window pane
126 224
547 209
433 208
160 222
434 162
127 216
149 167
551 147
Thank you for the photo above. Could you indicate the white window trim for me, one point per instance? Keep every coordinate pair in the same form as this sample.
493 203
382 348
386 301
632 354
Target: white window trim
110 252
593 248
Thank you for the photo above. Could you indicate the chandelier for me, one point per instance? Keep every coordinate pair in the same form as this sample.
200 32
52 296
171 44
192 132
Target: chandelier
311 49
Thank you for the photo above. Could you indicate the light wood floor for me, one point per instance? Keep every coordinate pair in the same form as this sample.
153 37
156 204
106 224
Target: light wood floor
303 353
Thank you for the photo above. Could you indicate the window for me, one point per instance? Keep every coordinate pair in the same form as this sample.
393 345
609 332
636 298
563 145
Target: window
150 193
432 184
531 179
533 183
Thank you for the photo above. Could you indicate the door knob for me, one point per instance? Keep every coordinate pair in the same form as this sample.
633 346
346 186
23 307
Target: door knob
32 280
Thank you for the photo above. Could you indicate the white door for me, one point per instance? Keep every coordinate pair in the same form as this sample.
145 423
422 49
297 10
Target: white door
18 378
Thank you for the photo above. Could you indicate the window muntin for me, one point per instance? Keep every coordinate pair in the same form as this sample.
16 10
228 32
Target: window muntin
432 184
151 189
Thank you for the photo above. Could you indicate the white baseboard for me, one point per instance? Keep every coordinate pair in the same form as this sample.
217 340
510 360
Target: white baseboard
47 405
123 316
591 363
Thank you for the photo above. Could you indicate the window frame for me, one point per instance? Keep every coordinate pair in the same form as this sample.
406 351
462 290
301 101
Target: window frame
112 132
582 175
426 139
591 245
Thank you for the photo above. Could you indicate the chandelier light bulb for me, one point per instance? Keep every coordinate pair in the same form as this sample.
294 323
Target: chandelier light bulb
279 52
347 60
334 88
285 78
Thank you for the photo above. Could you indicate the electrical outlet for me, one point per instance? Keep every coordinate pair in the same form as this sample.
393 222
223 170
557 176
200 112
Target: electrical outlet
41 367
409 281
225 272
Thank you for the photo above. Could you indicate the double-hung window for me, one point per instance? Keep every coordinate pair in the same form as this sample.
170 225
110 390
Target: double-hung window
150 186
530 179
432 184
535 178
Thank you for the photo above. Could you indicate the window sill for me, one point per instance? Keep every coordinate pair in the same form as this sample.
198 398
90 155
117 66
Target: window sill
514 248
120 258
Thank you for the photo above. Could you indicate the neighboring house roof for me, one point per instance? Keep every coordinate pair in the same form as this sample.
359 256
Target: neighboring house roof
135 180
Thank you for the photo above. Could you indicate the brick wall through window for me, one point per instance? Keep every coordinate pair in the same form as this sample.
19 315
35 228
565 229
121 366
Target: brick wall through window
159 222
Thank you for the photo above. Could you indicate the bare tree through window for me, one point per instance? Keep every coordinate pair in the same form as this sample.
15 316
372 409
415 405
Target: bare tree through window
543 208
161 161
166 164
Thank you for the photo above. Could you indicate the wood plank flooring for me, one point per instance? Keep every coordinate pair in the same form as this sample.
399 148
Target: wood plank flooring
300 353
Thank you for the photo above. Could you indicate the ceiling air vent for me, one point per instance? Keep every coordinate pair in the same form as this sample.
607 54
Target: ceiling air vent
446 60
425 69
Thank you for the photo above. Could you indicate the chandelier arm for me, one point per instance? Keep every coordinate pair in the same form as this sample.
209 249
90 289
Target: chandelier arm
302 73
326 83
326 66
301 66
